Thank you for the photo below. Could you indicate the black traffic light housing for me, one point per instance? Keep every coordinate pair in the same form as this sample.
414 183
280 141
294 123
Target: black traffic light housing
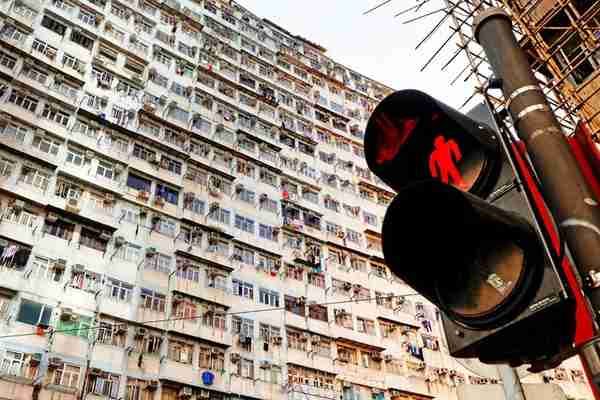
462 234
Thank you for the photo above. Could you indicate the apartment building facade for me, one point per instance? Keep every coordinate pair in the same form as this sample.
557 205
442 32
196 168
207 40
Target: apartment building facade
187 214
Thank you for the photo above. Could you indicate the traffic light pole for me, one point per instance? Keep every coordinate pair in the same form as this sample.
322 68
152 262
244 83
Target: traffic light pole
565 190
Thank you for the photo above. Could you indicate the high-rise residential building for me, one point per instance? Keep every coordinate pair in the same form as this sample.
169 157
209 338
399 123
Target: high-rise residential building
186 213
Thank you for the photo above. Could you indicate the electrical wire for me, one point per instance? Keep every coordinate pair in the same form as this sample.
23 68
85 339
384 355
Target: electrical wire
259 310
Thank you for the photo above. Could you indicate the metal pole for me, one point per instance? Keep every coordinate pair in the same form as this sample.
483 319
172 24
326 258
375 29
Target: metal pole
565 189
511 384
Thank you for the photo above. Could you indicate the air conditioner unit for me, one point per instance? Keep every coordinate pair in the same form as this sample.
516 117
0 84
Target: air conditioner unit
235 358
73 202
109 197
67 314
119 168
120 241
121 329
104 235
152 158
177 298
55 361
18 205
185 392
245 340
141 332
89 154
60 264
78 268
277 339
264 364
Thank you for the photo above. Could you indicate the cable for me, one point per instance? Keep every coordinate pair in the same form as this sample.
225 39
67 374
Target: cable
200 316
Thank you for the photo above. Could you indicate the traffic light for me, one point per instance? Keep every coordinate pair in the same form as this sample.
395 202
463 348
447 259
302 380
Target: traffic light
461 232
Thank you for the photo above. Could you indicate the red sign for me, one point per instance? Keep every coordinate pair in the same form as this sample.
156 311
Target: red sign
443 162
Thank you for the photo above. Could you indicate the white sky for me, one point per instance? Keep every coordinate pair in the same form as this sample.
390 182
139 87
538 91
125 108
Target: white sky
376 45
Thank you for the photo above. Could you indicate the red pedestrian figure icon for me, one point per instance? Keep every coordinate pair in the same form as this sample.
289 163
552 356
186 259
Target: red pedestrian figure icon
443 159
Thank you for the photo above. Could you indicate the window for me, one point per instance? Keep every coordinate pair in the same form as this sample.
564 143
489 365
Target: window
53 25
59 228
294 272
66 375
212 358
105 170
268 297
43 269
136 390
7 60
171 165
268 204
365 326
353 236
36 75
44 48
220 215
318 312
295 305
180 351
379 270
166 226
152 301
267 232
246 368
75 157
245 224
112 333
138 183
33 313
56 115
369 218
77 325
310 195
242 326
267 332
268 177
16 364
296 339
105 385
92 239
243 289
188 271
23 100
246 195
79 38
118 291
343 318
159 262
46 145
316 279
243 255
150 343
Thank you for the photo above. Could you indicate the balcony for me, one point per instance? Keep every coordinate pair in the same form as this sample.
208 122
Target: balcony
88 209
195 328
189 375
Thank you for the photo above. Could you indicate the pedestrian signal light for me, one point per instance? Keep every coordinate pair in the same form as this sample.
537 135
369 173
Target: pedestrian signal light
412 137
461 233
